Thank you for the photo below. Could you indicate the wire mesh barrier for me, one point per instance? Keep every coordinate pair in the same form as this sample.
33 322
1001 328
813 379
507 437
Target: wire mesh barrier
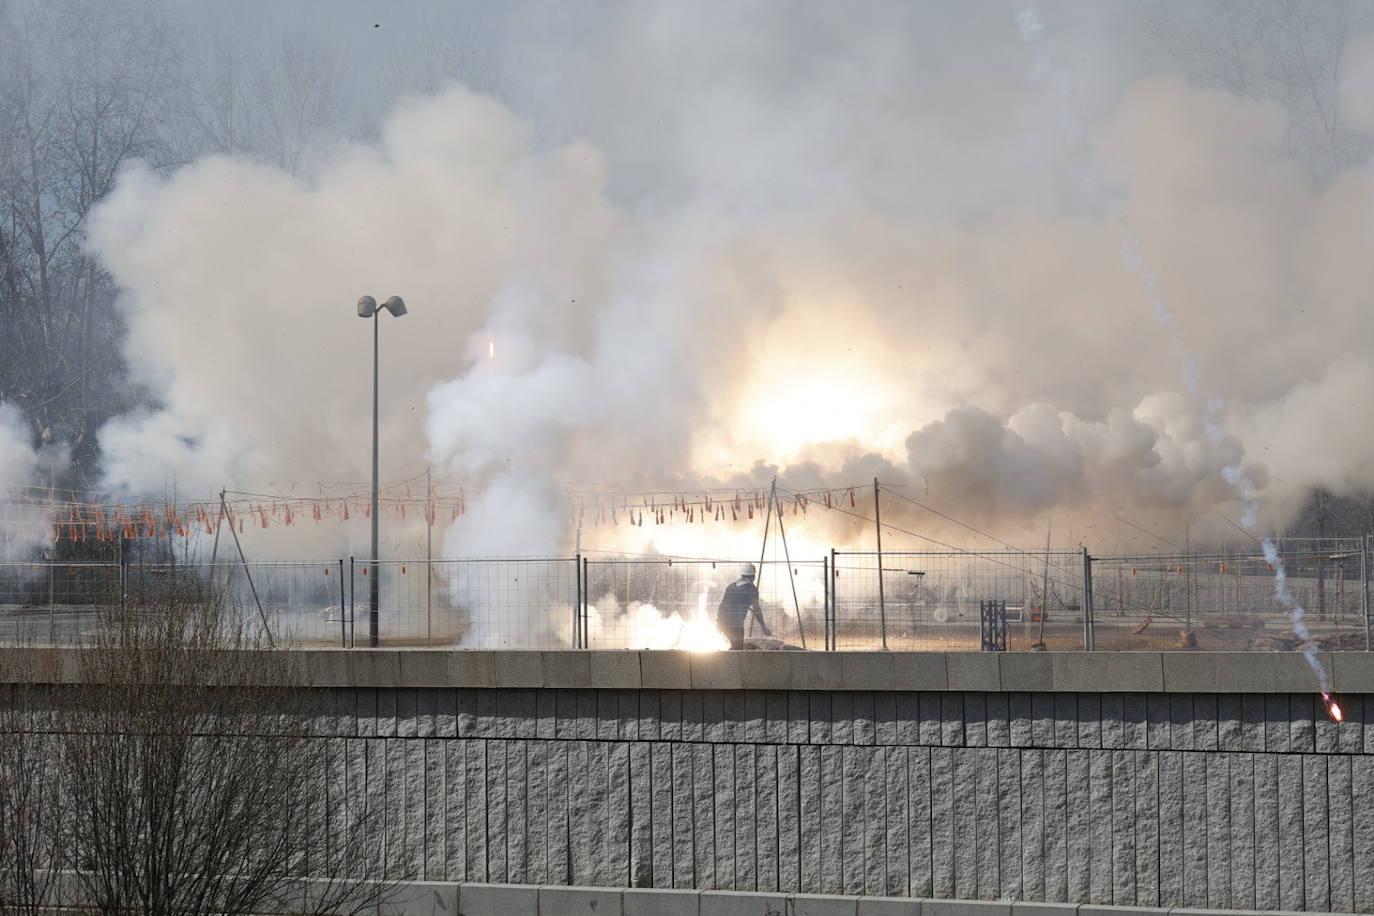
933 600
1228 599
921 600
282 603
663 603
493 603
50 602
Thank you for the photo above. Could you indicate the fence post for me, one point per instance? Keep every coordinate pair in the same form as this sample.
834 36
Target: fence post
586 601
577 605
1088 640
352 604
834 585
1364 576
825 604
343 610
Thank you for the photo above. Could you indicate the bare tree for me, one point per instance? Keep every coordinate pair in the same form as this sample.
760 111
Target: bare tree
81 89
185 784
1285 51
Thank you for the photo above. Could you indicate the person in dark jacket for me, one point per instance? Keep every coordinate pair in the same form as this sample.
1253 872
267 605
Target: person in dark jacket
739 601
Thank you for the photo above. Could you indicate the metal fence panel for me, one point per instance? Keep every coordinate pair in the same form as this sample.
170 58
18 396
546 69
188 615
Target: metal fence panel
931 600
1228 600
494 603
51 603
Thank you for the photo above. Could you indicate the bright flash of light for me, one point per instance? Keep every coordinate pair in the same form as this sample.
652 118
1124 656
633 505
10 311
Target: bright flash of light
643 626
1333 708
491 349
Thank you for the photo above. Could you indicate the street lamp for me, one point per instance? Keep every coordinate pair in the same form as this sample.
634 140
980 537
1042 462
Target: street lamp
368 308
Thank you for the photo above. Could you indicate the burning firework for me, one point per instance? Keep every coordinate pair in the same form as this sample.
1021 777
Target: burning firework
1333 709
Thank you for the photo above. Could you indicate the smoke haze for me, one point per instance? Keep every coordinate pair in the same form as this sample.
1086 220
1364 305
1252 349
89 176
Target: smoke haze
710 244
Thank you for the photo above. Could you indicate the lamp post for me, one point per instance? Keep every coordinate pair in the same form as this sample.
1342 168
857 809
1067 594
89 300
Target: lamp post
368 308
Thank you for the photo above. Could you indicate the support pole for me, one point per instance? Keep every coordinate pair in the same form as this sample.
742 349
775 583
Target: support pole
343 610
429 559
577 606
763 551
1364 575
796 605
825 606
249 575
1087 601
832 583
878 527
373 587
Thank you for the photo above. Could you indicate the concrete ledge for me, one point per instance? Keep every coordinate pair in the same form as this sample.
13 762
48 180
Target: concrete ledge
716 670
1074 672
822 905
888 906
556 901
639 901
520 668
1284 672
1026 671
420 898
973 671
1352 672
1190 672
571 669
767 671
665 670
1092 909
742 903
866 670
377 668
498 899
817 671
614 669
919 671
470 668
1128 672
965 908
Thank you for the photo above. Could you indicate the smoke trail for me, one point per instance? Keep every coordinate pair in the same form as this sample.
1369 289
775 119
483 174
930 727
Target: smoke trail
1032 29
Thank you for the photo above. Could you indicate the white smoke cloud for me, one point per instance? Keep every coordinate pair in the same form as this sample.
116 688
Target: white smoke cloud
837 276
25 525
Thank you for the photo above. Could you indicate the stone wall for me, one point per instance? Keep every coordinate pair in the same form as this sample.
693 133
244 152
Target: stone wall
1154 798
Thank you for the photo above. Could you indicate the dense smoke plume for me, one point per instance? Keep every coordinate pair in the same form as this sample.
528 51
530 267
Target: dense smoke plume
842 254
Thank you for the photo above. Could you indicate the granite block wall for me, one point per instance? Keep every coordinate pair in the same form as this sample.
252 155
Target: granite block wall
1231 801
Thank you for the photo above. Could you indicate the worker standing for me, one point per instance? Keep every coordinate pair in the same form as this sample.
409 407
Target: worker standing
739 601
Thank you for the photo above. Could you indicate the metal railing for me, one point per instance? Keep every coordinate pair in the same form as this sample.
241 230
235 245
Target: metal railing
930 600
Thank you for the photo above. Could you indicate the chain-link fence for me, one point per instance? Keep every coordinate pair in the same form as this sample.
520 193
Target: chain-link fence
493 603
666 603
932 600
925 600
1228 599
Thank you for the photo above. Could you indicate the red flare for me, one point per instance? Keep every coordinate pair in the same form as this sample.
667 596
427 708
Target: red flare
1333 708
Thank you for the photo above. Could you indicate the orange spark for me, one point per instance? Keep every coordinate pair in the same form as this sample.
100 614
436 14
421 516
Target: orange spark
1333 708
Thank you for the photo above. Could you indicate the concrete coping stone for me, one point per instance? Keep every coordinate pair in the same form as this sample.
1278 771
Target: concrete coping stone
641 901
965 908
742 903
594 901
1075 672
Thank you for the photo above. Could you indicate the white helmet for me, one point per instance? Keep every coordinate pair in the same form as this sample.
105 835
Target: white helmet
747 571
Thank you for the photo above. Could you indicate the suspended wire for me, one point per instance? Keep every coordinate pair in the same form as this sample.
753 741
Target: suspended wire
962 550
